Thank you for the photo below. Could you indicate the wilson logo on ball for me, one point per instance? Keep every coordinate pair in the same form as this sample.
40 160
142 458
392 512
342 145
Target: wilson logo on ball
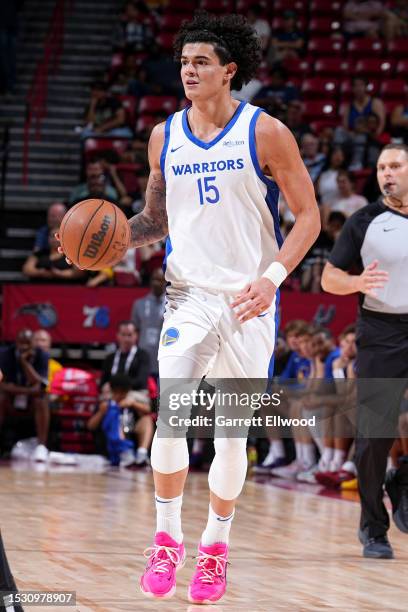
97 239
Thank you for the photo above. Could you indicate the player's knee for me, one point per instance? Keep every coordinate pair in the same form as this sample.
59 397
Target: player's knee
169 455
230 450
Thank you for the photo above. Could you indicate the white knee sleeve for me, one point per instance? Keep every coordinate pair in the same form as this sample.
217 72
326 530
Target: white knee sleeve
169 455
228 469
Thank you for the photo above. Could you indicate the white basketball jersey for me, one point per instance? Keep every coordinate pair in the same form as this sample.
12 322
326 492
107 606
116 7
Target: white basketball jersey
222 211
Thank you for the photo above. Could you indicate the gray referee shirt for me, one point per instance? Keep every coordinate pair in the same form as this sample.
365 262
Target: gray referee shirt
147 315
377 232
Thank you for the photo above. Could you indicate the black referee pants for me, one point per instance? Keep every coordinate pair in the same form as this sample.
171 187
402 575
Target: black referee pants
382 353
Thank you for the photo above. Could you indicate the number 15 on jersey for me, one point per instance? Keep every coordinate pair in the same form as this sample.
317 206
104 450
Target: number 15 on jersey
209 194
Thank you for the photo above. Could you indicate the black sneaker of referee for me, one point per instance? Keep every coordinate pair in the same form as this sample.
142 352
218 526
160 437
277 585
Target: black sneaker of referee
398 494
378 547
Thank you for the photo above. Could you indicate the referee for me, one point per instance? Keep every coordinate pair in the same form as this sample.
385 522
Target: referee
375 240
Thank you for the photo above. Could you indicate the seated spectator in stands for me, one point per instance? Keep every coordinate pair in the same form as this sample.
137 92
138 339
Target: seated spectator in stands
396 20
363 18
327 188
55 215
129 80
399 119
349 201
277 89
260 25
248 91
50 266
96 185
127 359
25 379
287 42
127 273
123 418
362 105
162 72
364 143
294 120
147 315
312 158
106 115
42 340
134 32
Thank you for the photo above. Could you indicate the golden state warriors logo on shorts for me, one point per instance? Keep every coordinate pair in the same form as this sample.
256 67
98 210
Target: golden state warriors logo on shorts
170 336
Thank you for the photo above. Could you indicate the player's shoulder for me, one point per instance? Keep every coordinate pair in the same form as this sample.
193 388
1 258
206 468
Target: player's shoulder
269 126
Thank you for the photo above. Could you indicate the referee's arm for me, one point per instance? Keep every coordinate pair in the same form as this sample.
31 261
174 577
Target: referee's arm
345 254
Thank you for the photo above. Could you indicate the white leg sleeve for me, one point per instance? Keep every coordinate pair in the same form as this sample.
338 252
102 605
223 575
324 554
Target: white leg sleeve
228 469
169 455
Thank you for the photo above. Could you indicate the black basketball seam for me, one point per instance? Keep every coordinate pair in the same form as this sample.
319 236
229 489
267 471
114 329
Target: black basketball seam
86 227
110 241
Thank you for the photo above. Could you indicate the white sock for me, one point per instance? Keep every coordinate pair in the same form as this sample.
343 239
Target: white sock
338 459
299 452
278 449
142 450
169 516
308 454
217 529
325 459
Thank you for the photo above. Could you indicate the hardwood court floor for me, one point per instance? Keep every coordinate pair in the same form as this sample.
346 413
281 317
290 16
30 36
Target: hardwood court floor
291 550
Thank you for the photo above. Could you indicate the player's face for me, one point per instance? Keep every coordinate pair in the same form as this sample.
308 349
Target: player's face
392 173
201 72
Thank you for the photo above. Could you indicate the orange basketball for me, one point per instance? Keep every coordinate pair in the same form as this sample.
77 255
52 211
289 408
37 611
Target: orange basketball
94 234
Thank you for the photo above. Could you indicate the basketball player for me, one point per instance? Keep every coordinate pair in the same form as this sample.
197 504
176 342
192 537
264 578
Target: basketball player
216 171
375 239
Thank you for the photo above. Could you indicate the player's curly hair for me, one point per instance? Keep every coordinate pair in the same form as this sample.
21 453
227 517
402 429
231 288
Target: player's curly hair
233 38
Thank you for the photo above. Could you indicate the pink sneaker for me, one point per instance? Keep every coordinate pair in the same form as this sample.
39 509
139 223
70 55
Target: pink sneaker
210 579
166 557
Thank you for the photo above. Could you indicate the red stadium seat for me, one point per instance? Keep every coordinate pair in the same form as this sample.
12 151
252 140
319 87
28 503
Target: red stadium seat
93 146
325 47
299 6
217 6
315 111
393 89
171 23
378 68
346 93
317 88
365 47
129 104
398 48
402 68
320 125
360 178
323 26
145 122
182 6
155 105
389 106
277 23
297 67
128 174
116 61
334 67
165 40
325 8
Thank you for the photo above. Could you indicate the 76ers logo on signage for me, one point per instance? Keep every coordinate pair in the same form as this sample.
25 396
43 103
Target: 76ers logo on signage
96 316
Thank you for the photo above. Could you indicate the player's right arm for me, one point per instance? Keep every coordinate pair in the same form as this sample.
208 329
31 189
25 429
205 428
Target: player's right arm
150 225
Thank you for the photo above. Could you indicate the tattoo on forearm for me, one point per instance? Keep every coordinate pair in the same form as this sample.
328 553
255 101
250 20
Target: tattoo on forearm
150 225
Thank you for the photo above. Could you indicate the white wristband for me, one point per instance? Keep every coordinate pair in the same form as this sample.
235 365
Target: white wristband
276 273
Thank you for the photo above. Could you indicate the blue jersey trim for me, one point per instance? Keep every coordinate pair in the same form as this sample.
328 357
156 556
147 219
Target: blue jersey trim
165 145
277 323
167 252
208 145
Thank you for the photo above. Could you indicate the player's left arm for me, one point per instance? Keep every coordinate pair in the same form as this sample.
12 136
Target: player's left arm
279 157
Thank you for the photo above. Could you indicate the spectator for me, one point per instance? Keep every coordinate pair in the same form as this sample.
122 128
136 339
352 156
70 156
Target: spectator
51 266
295 121
129 80
42 340
327 187
362 105
162 72
127 359
96 185
25 379
348 201
8 35
287 42
396 20
278 90
365 144
147 315
135 32
363 18
260 25
123 417
313 160
106 115
399 119
55 215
